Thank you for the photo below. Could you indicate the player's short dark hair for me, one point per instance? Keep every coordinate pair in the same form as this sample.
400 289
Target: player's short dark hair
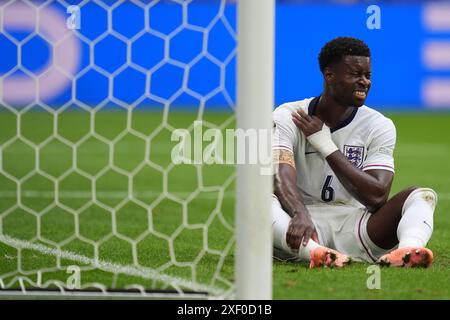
333 51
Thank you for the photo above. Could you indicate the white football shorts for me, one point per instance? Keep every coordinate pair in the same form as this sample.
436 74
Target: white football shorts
339 227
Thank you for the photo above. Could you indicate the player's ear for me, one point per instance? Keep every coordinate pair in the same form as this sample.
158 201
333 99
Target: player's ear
328 75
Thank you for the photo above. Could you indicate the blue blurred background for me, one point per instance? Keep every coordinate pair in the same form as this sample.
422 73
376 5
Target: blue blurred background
166 52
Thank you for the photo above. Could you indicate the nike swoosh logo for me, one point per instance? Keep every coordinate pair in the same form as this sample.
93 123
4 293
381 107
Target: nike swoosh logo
310 152
427 224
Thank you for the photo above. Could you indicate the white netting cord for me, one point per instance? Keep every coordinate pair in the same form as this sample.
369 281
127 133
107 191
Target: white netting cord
55 197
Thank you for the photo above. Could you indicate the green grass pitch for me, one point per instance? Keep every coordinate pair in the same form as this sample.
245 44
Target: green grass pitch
180 222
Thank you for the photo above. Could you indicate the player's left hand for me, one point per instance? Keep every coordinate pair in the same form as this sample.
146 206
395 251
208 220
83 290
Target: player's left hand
316 132
306 123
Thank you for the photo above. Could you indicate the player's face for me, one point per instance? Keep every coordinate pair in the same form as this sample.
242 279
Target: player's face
351 81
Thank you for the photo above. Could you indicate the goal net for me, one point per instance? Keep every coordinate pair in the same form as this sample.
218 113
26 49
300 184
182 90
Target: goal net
108 181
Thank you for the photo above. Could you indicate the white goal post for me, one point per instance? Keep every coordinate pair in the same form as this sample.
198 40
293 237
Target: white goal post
254 111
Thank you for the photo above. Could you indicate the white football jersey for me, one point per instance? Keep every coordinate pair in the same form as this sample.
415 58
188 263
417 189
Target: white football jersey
366 138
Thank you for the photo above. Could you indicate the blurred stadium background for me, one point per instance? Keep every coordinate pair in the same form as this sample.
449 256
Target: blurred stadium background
413 43
86 117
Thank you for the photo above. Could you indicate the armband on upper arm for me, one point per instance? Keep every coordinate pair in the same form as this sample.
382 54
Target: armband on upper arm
283 156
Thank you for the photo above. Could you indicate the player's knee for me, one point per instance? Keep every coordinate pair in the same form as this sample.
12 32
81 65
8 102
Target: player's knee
410 190
422 194
429 195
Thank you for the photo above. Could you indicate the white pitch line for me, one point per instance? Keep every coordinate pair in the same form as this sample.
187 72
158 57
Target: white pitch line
79 194
146 273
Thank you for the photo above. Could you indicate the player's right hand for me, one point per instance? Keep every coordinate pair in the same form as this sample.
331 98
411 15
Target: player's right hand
301 228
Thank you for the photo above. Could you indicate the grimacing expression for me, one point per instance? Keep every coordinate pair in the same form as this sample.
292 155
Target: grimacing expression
349 80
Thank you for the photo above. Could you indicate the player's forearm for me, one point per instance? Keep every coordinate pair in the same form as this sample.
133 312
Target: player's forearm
286 190
368 190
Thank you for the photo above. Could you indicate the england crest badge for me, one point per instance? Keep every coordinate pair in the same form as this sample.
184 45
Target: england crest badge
354 154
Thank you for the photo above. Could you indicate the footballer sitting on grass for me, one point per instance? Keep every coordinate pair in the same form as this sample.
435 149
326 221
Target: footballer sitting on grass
335 168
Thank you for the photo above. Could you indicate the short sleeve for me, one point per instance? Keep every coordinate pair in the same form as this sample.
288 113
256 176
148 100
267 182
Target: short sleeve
380 151
284 131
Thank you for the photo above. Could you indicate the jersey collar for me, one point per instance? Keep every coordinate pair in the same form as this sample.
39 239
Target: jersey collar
312 111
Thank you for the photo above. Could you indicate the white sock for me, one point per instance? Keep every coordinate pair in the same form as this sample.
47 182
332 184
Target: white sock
280 224
304 252
416 225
